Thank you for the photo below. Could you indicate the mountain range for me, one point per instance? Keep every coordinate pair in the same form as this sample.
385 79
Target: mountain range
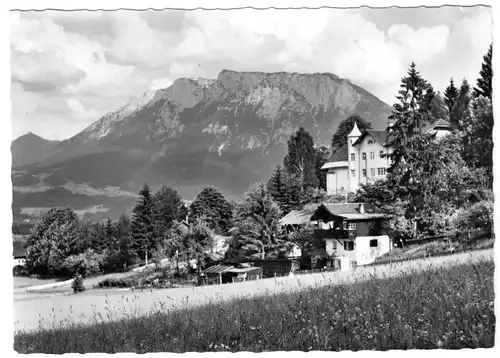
229 132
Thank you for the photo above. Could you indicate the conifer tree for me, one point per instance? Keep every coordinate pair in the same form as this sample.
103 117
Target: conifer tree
450 95
484 82
142 223
277 186
409 115
462 107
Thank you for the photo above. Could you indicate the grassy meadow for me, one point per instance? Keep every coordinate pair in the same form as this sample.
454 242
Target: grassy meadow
447 307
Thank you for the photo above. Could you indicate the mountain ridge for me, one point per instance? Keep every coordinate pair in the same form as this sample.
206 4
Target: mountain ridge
229 131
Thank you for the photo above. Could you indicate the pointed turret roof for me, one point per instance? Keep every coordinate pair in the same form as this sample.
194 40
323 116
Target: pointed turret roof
355 131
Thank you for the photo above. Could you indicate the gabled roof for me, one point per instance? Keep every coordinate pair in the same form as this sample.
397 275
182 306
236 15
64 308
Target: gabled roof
330 210
19 250
340 155
217 269
331 165
380 136
364 216
297 217
440 123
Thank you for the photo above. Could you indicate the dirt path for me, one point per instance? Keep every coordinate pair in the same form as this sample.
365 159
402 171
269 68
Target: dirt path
81 308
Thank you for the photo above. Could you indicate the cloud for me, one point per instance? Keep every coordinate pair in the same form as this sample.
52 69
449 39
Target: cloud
83 64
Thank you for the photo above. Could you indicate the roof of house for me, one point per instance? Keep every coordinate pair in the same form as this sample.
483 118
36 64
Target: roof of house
355 132
380 136
19 249
297 217
330 165
243 269
340 155
440 123
364 216
341 210
217 269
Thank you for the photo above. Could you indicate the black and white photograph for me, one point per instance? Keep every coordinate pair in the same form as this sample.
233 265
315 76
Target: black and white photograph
207 178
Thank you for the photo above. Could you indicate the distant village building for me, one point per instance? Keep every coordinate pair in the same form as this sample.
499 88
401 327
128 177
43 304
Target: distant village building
19 251
365 158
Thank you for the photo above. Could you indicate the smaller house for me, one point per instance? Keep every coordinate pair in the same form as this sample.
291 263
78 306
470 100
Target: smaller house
277 267
19 252
221 274
351 230
439 129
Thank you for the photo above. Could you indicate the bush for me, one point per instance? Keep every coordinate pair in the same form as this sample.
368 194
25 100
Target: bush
478 217
85 264
77 284
20 270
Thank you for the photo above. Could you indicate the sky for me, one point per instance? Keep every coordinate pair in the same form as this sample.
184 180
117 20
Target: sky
70 68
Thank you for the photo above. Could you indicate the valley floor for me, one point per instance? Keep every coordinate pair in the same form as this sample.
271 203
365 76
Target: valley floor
59 311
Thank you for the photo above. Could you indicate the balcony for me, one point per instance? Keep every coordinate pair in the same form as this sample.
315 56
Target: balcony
334 234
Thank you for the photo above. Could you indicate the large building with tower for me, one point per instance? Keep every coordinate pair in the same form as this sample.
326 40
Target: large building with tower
366 157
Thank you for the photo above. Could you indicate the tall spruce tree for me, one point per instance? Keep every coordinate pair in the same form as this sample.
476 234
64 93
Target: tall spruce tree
167 207
409 115
277 186
484 82
142 223
461 111
301 158
450 96
438 109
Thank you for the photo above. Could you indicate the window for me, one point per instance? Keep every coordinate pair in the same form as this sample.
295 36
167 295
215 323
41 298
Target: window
381 171
344 225
372 172
372 155
335 244
353 157
370 141
381 154
348 245
353 173
374 243
364 173
352 226
363 156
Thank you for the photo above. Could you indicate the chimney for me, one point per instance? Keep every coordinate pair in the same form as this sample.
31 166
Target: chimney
361 208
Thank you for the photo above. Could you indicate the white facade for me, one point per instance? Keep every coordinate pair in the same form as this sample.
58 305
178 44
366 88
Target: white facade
337 178
19 261
363 249
296 252
370 161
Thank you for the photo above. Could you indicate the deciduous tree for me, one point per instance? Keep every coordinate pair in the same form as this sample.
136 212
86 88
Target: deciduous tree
301 158
345 127
211 206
